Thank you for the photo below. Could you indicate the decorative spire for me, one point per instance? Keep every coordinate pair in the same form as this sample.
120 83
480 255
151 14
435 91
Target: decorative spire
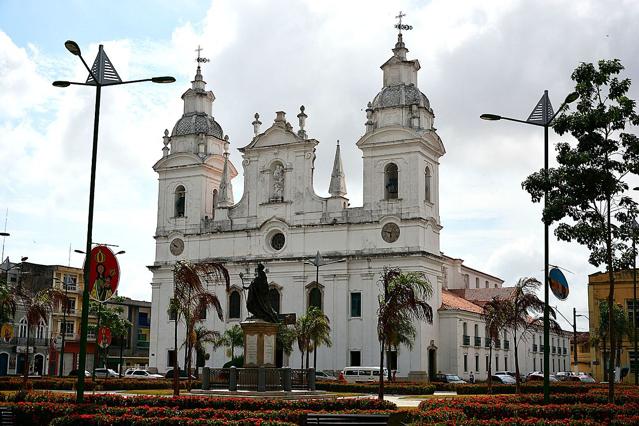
198 82
302 119
256 124
225 193
337 188
400 48
166 139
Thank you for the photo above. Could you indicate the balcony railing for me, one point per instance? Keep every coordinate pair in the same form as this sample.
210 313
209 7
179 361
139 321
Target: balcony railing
477 341
466 341
506 344
497 344
487 342
534 347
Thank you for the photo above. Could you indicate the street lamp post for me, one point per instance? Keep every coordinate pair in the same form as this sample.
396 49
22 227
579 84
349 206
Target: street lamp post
102 74
543 116
318 261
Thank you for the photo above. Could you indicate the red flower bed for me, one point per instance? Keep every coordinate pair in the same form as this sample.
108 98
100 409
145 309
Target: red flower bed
68 383
106 420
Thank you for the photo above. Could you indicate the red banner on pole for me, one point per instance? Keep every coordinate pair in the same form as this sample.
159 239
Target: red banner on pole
104 337
104 273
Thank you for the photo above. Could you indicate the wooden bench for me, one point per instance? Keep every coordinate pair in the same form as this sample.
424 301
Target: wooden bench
345 419
6 417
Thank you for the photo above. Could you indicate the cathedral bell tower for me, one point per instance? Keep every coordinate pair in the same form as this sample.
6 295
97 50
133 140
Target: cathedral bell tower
193 164
400 147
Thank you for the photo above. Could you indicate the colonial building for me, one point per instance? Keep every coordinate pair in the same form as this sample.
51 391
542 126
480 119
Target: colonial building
281 222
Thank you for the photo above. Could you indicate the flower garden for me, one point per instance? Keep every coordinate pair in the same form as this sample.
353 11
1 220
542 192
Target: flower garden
571 404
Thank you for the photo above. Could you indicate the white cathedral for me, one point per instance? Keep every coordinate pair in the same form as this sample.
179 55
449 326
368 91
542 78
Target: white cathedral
281 222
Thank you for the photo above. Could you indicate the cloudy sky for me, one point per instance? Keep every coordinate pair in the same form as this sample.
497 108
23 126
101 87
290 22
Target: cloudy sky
476 57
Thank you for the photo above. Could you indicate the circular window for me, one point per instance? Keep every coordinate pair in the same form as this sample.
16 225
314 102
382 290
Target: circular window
277 241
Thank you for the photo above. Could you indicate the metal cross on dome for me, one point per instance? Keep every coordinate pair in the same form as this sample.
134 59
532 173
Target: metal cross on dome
199 58
401 26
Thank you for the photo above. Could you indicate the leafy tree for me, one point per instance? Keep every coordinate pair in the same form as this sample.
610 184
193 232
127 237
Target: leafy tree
402 300
109 315
494 316
622 327
232 338
403 333
286 338
8 300
37 306
191 299
319 331
201 337
586 188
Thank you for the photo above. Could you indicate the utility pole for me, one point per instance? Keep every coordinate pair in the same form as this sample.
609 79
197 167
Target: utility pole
574 334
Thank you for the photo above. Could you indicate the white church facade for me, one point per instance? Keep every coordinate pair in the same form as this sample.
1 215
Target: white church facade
281 222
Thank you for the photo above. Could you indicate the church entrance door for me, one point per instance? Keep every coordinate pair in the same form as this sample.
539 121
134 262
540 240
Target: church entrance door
432 363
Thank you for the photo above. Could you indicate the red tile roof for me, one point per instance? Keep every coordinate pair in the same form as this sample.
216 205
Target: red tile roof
451 301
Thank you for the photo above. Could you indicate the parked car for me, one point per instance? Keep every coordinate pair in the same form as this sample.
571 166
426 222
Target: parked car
565 376
182 374
505 379
321 375
74 373
135 373
585 378
448 378
362 374
105 372
537 376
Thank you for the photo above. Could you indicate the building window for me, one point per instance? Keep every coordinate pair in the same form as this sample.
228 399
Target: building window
315 298
143 319
476 282
477 363
496 363
466 279
553 365
277 241
392 359
274 297
170 358
70 282
534 364
428 184
486 362
506 363
356 305
214 204
356 359
634 364
41 331
180 201
631 310
234 304
465 329
391 188
487 284
69 326
465 362
172 312
22 328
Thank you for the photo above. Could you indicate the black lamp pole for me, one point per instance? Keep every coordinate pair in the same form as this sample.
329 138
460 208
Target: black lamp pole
106 76
543 116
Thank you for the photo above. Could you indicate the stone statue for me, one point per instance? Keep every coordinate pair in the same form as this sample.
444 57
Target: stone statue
258 302
278 182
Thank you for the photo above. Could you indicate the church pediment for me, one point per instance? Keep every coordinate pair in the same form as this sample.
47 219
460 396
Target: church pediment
179 159
274 136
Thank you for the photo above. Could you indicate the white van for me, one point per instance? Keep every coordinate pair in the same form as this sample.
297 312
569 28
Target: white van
362 374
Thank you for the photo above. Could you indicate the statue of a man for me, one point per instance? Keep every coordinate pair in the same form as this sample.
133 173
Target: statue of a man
258 302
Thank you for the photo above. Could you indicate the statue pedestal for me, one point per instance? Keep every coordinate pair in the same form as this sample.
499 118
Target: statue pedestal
259 343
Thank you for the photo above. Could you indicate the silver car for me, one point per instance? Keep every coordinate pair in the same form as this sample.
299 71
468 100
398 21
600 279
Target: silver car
105 372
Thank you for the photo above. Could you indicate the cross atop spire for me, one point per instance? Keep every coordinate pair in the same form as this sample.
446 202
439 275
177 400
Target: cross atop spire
199 58
399 24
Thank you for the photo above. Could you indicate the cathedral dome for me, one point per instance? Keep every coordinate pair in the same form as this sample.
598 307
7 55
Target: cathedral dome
400 95
196 123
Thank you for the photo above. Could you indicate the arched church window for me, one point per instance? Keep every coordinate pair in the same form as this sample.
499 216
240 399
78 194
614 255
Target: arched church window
390 181
214 204
22 328
274 296
427 180
315 298
41 331
234 304
277 182
180 201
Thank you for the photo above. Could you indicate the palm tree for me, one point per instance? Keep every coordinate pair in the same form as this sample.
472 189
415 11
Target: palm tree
202 336
319 331
522 303
232 338
191 299
37 306
494 317
402 300
285 338
302 333
403 333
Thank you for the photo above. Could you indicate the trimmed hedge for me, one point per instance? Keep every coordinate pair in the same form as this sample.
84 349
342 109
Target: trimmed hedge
68 383
537 387
389 388
104 420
